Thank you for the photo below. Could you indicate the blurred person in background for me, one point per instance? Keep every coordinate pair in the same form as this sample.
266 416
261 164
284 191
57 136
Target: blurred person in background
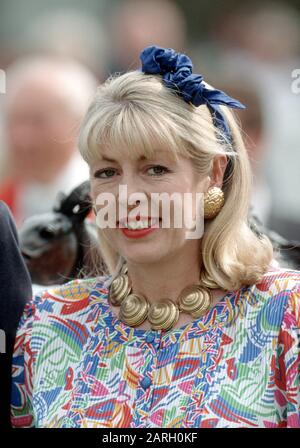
46 98
136 23
247 38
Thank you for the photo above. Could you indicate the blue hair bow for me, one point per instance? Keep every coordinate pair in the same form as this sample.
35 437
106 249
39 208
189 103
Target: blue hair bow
176 71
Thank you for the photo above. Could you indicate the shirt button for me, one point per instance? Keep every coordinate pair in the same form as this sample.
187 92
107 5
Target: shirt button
150 337
146 382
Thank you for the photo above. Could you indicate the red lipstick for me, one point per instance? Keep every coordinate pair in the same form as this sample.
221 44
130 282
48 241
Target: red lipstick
138 233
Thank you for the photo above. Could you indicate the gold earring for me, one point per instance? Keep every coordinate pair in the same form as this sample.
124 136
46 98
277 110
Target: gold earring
213 202
94 210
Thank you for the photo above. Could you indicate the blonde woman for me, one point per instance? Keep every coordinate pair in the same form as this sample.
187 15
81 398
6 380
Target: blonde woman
183 331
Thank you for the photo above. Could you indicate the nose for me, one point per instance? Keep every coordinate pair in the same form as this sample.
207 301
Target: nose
132 182
131 192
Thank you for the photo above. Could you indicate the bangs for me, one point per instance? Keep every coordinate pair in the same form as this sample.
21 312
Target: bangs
131 131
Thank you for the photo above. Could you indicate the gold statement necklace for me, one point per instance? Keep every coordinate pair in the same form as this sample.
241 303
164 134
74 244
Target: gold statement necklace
135 308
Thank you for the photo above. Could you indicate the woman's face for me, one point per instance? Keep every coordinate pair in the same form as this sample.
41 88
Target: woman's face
160 174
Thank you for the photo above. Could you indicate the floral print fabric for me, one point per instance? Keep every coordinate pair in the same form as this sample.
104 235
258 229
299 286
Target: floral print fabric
76 365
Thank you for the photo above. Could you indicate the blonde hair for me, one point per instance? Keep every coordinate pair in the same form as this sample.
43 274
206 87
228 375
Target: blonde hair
136 113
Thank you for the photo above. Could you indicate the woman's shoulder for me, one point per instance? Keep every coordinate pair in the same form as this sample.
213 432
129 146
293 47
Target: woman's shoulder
278 293
71 297
279 279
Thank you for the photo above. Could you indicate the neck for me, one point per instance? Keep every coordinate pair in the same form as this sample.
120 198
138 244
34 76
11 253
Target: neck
168 277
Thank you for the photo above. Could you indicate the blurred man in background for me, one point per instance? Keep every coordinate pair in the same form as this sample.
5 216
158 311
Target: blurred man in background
247 40
45 101
135 24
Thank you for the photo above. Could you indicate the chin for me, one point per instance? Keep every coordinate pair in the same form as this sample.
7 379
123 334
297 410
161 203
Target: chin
142 256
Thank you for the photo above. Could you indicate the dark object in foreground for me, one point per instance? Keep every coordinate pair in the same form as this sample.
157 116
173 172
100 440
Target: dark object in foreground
15 291
287 253
62 245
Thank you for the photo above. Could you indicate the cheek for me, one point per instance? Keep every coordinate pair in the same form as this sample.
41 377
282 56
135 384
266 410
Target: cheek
96 189
106 205
93 192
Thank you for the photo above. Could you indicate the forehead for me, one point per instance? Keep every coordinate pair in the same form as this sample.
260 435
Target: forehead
35 97
130 133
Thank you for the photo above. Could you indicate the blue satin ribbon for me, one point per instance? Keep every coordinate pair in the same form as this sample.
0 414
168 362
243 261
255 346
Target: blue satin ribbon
176 71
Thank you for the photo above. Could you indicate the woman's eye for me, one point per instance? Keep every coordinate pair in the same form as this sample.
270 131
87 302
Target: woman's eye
104 174
158 170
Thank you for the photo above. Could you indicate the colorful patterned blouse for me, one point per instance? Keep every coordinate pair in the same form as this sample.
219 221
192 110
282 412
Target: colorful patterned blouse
77 365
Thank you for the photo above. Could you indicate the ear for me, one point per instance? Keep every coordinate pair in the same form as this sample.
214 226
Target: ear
218 170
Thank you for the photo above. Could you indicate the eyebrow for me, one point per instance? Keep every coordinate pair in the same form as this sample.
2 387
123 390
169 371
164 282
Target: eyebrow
107 159
141 158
